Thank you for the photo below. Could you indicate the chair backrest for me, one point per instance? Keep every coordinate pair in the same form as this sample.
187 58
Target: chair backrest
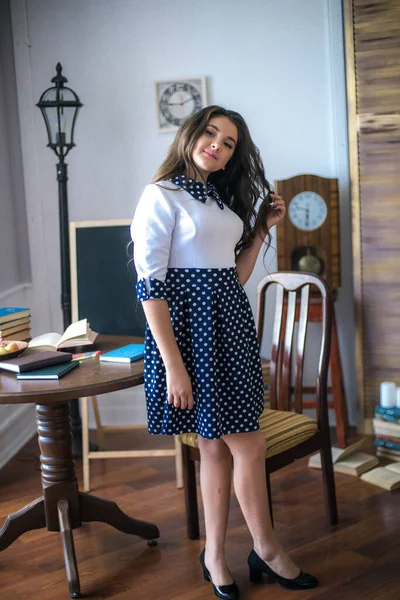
292 304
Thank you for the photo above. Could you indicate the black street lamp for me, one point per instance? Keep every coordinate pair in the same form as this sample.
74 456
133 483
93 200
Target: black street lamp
60 105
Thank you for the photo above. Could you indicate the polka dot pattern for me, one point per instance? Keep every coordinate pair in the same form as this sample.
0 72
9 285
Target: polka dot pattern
198 190
156 289
215 332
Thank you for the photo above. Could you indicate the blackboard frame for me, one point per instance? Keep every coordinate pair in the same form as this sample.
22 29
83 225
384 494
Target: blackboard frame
103 277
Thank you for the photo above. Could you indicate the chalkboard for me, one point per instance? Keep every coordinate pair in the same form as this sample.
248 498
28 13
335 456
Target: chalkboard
103 277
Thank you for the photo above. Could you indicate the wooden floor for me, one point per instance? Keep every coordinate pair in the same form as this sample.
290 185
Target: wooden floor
358 560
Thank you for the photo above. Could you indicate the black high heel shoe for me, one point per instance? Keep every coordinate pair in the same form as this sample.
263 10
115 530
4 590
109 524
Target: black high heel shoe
225 592
257 567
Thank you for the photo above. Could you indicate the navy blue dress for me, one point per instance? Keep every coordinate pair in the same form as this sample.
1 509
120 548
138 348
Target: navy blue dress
184 251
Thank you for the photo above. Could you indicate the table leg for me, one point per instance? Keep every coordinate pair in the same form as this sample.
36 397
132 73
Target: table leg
57 464
62 507
32 516
69 549
106 511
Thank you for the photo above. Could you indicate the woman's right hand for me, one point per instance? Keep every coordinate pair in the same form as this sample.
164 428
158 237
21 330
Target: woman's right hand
179 387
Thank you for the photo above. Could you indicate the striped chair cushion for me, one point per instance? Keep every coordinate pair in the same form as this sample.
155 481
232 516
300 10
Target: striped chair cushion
282 431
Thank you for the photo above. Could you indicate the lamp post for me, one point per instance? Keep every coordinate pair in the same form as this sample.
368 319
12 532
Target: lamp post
60 105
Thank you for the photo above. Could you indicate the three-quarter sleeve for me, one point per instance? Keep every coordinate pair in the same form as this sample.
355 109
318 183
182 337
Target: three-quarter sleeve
151 233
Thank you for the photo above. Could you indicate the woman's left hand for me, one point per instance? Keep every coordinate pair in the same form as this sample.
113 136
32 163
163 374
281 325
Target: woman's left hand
278 210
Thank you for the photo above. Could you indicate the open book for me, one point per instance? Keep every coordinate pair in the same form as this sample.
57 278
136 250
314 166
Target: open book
347 460
387 477
77 334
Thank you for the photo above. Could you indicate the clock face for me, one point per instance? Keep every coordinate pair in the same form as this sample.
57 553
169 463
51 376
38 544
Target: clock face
178 100
307 211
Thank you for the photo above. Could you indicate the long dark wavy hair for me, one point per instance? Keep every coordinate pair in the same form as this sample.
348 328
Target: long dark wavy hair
241 184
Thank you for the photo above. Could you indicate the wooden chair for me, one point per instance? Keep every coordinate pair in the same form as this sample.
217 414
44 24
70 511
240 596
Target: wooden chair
102 453
289 434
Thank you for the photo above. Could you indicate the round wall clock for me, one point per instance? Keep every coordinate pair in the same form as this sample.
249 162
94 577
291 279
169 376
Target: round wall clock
179 99
307 210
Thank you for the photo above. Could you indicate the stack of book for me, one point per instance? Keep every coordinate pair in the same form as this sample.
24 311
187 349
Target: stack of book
387 432
42 359
15 324
48 364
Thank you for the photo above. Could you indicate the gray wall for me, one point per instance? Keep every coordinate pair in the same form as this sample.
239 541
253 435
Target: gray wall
14 248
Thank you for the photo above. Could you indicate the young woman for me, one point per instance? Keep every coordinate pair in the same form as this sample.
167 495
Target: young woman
196 239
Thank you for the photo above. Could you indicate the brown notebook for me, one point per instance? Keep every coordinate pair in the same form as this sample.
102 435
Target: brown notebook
28 362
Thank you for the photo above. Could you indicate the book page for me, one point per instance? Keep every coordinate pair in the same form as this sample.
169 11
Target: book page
358 458
350 464
383 426
395 467
46 339
381 476
343 452
336 453
75 330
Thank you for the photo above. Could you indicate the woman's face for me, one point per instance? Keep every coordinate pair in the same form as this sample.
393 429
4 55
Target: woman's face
215 146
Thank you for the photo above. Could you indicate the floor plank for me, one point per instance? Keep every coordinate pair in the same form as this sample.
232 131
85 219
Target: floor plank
358 559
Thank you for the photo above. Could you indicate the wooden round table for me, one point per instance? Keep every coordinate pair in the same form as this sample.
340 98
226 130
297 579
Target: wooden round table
63 507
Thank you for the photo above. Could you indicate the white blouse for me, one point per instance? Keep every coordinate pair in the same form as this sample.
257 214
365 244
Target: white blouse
172 229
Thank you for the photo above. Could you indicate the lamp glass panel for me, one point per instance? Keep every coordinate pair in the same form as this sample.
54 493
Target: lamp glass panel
59 119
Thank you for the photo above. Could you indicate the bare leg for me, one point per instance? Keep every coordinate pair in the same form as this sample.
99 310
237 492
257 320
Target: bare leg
215 483
248 450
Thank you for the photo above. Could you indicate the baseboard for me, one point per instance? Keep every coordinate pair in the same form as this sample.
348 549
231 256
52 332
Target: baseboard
16 430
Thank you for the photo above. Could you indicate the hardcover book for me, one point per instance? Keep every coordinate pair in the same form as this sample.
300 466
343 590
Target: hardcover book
17 325
387 419
387 477
10 314
125 354
387 443
23 335
392 412
387 438
355 464
28 362
387 414
386 428
77 334
347 460
52 372
386 453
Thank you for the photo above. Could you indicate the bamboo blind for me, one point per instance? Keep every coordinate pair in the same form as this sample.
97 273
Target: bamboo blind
373 83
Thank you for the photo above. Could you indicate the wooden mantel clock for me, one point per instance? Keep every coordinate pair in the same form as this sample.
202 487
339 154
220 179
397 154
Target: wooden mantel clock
308 238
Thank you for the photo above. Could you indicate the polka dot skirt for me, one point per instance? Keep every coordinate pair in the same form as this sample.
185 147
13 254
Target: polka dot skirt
215 332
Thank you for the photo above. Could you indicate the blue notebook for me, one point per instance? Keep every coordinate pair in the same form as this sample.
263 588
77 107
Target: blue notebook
126 354
52 372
